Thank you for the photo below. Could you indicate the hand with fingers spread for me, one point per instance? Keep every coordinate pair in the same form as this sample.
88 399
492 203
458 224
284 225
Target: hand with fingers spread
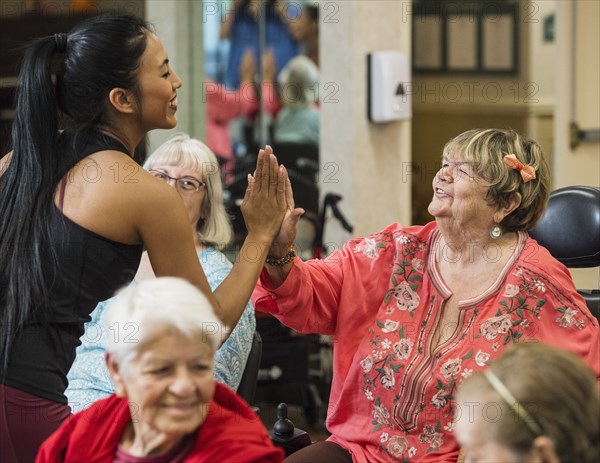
264 204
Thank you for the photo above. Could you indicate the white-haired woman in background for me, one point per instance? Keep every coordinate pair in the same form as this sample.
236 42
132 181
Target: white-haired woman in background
192 169
167 406
298 120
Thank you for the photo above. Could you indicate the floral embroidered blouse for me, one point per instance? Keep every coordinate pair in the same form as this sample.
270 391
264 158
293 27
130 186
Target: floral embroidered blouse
89 379
381 297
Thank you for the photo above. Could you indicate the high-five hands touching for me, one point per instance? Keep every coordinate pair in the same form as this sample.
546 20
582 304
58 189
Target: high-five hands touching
265 205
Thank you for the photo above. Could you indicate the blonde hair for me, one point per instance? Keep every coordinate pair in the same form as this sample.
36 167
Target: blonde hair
485 150
558 391
142 311
214 229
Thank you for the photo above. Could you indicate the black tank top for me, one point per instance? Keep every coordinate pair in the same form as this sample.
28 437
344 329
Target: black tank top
90 268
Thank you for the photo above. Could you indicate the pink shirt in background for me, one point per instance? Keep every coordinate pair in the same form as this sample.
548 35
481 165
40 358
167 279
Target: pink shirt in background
223 105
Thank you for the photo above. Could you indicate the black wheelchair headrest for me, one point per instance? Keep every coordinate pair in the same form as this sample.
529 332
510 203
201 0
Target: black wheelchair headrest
570 227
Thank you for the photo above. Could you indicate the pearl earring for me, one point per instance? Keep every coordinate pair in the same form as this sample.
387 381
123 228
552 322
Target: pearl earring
496 232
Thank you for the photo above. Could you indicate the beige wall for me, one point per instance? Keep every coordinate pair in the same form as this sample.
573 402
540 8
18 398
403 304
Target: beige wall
541 63
541 77
363 162
578 93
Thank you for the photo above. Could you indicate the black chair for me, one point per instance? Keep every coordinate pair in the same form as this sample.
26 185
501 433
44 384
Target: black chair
302 158
247 387
302 163
570 230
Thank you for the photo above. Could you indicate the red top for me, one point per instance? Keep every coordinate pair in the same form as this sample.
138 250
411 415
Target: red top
232 433
176 455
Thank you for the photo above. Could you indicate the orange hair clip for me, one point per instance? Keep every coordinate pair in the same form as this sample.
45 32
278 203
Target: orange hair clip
527 172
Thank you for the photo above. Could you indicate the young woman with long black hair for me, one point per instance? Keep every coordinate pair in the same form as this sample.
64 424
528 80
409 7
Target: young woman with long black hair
76 211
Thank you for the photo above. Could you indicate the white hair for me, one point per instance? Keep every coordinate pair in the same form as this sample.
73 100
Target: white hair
214 229
299 83
141 312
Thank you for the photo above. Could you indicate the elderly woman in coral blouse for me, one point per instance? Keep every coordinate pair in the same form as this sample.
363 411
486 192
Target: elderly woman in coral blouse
416 310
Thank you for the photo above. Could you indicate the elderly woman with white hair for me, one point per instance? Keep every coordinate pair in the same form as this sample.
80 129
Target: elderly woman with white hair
298 120
191 167
163 335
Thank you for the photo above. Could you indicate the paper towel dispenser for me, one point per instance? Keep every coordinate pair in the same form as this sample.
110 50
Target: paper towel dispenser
389 86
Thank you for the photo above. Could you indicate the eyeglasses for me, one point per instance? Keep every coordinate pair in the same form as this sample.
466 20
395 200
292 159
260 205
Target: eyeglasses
187 184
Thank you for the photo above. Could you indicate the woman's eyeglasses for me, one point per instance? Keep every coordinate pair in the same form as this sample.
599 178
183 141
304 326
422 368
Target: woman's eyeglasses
187 184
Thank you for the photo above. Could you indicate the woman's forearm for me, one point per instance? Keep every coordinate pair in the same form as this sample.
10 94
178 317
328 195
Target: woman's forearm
234 292
264 208
278 273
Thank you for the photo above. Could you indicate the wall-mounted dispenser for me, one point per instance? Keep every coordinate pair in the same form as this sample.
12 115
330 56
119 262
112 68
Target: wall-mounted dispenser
389 86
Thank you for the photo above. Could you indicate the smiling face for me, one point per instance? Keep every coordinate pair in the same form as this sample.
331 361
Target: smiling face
192 200
459 197
158 87
169 386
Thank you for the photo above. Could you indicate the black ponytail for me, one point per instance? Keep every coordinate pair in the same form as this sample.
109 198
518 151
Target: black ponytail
24 189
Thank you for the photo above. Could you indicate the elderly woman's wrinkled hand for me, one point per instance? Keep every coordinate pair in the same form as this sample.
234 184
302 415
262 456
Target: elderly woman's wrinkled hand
264 205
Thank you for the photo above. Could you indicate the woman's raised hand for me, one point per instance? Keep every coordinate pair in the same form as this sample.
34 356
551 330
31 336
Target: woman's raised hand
287 233
265 205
